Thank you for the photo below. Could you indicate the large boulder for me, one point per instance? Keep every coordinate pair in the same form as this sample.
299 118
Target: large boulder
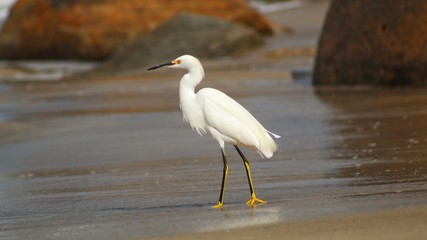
201 36
93 30
373 43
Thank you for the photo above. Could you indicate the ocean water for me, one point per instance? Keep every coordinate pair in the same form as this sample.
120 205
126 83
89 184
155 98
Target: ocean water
36 70
5 6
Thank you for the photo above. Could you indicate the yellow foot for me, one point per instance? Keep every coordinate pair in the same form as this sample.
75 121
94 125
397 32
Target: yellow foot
254 201
219 205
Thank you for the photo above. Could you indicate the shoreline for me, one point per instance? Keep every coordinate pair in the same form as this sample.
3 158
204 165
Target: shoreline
400 223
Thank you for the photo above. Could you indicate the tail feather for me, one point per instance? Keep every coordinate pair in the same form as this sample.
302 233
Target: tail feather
268 146
273 134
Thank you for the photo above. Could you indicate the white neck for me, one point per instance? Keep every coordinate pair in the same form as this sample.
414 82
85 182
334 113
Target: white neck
187 99
189 82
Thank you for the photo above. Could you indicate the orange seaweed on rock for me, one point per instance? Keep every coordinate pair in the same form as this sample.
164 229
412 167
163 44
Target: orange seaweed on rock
93 30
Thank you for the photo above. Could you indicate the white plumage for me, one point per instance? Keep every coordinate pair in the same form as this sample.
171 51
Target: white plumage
233 122
212 111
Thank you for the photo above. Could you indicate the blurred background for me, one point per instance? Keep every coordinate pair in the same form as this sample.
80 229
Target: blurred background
131 35
92 146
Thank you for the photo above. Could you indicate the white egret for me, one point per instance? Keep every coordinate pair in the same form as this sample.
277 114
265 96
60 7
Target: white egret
212 111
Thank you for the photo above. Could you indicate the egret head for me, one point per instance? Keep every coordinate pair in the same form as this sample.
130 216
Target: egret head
186 62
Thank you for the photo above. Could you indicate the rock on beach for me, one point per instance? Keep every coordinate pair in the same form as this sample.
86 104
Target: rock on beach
94 30
187 33
373 43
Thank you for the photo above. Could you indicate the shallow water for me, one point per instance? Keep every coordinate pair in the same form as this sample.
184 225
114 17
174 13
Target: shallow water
112 159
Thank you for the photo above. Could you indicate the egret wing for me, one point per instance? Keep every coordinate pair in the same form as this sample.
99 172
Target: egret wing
229 118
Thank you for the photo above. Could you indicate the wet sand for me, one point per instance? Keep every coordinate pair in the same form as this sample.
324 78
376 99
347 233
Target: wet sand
111 158
406 223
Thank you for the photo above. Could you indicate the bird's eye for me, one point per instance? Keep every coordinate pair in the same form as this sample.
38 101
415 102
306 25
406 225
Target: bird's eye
177 61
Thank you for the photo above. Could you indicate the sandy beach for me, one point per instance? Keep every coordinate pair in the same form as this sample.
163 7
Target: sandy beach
110 157
405 223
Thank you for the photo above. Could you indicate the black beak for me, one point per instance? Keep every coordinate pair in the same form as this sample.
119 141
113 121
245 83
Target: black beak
160 65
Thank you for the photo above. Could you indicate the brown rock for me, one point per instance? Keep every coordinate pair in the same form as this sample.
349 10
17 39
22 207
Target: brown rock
373 43
80 29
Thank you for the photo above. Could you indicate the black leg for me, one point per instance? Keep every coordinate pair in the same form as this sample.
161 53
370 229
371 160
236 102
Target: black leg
224 180
247 167
248 174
